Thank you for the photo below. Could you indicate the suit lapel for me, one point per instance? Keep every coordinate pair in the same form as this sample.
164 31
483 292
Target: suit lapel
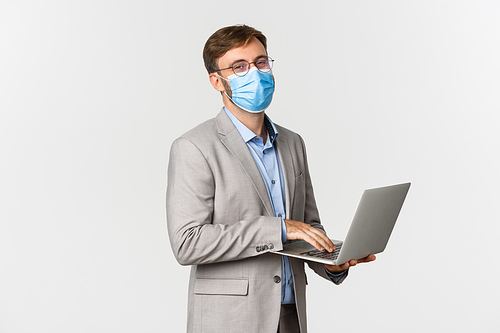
233 141
288 169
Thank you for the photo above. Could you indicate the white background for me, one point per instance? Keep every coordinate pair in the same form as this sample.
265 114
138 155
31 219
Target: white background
92 94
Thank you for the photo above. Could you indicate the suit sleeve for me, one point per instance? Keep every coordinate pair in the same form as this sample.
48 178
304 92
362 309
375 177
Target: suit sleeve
194 238
312 218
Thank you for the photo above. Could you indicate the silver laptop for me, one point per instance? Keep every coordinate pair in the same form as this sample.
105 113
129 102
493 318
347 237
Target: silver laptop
369 232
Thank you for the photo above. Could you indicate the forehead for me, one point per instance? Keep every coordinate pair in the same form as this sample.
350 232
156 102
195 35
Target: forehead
249 52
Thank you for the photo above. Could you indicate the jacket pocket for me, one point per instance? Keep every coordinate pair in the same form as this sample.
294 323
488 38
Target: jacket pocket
221 287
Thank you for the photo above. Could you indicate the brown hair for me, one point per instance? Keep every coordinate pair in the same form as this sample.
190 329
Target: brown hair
226 39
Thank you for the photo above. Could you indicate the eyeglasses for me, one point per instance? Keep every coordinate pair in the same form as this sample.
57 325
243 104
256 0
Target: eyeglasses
241 67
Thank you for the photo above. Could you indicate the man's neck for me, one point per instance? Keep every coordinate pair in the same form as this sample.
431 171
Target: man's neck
253 121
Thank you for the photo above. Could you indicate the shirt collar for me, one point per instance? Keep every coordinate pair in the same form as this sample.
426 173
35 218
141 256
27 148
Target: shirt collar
247 134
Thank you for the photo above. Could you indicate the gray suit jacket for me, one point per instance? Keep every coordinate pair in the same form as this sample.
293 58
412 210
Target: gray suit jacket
220 220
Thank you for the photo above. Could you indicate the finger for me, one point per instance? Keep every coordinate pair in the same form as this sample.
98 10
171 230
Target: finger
321 242
320 237
300 230
345 266
314 242
369 258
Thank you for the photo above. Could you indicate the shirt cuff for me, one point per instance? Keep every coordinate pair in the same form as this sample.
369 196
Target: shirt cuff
337 278
283 230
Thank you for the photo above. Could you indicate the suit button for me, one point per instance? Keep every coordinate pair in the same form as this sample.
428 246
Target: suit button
271 246
265 247
277 279
258 249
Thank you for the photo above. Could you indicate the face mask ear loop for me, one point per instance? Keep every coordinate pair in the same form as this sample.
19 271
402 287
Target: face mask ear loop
221 77
225 89
229 97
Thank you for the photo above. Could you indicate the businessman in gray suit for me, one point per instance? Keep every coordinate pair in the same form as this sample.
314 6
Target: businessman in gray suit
238 188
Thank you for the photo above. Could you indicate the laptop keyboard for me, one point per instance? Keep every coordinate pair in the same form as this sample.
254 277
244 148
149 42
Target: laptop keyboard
324 254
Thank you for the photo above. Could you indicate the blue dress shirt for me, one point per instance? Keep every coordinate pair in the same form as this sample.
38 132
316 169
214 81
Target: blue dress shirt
267 160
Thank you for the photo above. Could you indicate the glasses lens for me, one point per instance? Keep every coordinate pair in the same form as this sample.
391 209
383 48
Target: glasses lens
264 64
240 67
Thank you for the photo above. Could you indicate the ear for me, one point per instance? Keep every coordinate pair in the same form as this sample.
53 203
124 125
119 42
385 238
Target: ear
216 82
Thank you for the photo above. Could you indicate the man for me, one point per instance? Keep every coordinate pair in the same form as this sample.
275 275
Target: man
238 187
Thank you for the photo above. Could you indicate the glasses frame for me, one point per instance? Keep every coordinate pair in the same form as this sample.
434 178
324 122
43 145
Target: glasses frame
269 59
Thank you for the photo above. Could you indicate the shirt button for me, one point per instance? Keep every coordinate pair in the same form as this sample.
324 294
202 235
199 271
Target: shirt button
277 279
263 152
279 215
273 182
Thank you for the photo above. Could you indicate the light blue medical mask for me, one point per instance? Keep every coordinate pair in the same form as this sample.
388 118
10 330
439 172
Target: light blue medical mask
252 92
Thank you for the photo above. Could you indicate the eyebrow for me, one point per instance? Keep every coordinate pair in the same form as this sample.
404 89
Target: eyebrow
257 57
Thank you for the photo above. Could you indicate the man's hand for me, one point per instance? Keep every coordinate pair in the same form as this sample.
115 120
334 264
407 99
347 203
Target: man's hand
300 230
350 263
